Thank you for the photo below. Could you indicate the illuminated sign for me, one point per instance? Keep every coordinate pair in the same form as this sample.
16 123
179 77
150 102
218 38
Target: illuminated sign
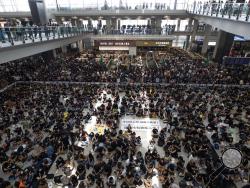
114 43
153 43
162 43
132 43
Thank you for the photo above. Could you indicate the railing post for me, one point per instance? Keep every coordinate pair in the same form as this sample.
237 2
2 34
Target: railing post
218 9
32 34
12 41
247 14
230 10
223 10
23 35
238 13
58 32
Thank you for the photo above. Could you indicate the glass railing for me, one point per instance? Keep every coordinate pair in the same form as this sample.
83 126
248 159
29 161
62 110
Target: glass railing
97 6
167 30
10 36
235 11
139 31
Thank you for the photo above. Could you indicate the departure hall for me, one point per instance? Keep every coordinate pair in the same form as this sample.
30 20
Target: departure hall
124 94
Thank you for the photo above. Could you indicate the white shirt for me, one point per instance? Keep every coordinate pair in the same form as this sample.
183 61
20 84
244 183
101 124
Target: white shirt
155 182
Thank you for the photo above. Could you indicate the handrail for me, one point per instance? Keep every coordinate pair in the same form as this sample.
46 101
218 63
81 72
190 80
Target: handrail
234 11
7 87
133 84
10 36
123 84
107 7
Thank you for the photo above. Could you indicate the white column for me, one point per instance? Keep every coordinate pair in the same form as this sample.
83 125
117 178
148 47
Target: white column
64 49
80 45
178 24
54 53
206 39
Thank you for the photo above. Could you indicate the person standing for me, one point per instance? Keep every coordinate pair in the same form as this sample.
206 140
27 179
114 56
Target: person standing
2 38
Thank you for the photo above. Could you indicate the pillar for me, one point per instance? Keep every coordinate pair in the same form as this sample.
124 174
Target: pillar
80 45
108 24
79 23
111 24
73 45
187 42
175 4
156 25
208 29
149 22
99 25
38 12
118 24
90 25
54 53
48 55
223 45
88 43
194 32
74 22
132 50
190 21
178 24
64 49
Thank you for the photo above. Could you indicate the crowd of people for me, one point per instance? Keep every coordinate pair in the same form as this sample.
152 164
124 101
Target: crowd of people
173 66
40 125
69 133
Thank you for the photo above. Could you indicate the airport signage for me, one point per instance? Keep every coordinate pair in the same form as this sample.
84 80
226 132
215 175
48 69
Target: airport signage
114 43
154 43
140 124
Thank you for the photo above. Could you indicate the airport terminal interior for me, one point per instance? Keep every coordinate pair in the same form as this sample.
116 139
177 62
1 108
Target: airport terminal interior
124 94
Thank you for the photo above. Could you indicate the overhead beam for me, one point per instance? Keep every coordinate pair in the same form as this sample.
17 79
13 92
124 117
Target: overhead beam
15 14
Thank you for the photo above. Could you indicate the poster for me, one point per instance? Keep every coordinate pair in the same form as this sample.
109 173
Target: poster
140 124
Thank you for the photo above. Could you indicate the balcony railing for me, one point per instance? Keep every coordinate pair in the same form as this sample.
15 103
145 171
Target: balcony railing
235 11
109 6
10 36
144 30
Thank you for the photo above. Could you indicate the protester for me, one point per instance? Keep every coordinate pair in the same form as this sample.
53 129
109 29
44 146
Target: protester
69 134
174 66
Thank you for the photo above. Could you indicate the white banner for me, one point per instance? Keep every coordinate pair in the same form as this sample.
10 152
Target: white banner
140 124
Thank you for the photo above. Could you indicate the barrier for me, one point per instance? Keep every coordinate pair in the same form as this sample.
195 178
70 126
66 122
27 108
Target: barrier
118 84
236 60
131 84
7 87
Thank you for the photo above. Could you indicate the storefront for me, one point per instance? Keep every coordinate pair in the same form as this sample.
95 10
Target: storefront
132 46
152 45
